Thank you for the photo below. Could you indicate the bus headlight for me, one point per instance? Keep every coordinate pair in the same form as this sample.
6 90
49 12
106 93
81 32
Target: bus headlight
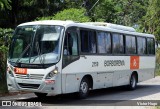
52 73
55 71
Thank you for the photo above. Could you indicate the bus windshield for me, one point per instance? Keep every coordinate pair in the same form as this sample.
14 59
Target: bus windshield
36 44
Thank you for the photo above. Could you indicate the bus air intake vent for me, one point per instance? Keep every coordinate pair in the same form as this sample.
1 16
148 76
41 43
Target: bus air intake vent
112 26
25 85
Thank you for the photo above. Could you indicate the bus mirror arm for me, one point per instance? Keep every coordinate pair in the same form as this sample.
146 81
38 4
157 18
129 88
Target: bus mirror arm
83 56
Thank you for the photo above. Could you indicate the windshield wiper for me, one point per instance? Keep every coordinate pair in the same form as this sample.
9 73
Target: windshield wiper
39 54
24 51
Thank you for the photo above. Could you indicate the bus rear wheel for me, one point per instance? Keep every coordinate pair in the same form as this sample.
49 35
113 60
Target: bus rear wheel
133 82
83 88
40 95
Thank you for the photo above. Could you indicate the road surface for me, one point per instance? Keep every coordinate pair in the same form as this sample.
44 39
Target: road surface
148 90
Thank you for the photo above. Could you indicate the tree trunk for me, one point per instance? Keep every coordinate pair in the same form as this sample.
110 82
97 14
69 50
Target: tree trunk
14 12
3 80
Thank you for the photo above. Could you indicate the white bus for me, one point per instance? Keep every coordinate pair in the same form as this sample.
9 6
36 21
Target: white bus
58 57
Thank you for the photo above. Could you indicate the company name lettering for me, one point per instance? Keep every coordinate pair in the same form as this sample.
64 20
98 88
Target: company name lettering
114 63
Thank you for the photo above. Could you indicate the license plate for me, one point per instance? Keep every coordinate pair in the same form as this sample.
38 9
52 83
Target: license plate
20 71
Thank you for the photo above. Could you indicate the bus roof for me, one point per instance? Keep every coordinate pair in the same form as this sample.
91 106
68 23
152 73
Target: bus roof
102 26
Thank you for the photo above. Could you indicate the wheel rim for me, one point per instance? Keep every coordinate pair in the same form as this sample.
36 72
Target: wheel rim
84 87
133 81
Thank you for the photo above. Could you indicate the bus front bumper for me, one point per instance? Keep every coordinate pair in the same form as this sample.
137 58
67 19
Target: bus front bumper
42 86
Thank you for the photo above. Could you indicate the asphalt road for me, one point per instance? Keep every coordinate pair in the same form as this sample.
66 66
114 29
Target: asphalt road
148 90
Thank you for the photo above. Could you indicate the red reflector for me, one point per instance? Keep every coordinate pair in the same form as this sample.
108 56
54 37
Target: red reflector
49 81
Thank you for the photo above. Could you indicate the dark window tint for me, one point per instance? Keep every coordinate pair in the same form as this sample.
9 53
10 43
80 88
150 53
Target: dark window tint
151 46
88 41
70 48
18 43
118 46
104 42
84 41
130 45
70 44
141 45
108 42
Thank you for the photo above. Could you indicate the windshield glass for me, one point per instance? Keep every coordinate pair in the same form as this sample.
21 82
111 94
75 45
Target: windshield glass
36 44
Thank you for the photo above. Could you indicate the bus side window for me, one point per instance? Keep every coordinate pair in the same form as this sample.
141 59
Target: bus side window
70 48
150 46
141 45
68 44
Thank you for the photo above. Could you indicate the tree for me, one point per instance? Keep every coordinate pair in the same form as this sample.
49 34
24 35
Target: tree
151 22
4 4
27 10
69 14
104 11
129 12
3 57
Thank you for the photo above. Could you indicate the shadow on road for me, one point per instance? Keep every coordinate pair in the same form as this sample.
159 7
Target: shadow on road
99 97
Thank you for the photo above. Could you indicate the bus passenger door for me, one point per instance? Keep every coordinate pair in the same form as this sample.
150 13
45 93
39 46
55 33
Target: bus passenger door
70 56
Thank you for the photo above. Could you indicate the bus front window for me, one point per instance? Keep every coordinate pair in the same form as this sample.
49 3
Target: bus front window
36 44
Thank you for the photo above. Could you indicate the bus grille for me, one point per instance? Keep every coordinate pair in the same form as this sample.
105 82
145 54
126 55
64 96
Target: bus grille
30 76
33 86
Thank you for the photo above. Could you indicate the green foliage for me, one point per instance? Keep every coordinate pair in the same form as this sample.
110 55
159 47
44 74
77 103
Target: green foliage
129 12
4 32
28 10
4 4
5 36
69 14
151 22
104 11
125 12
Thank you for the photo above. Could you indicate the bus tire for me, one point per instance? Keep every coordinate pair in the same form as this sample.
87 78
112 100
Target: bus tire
83 88
133 82
40 95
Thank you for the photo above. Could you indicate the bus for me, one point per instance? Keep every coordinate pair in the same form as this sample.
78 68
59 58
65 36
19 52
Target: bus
55 57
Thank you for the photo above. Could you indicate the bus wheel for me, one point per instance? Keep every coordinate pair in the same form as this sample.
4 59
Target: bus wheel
133 82
40 95
83 88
